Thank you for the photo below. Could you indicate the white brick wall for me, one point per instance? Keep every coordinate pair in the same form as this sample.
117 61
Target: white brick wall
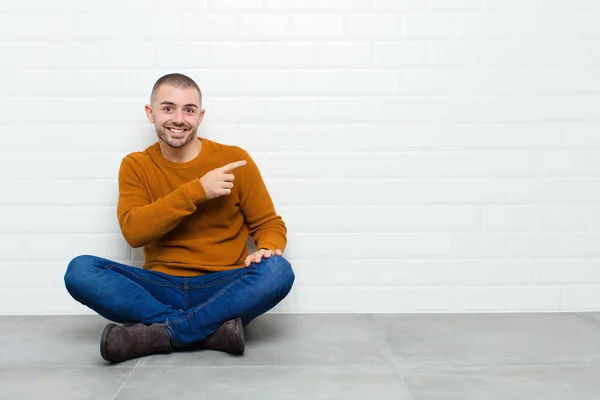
427 155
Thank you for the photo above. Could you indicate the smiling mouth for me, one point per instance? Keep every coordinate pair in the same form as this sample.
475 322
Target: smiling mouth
177 131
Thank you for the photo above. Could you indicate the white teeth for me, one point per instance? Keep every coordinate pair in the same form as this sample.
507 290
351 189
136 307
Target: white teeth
176 130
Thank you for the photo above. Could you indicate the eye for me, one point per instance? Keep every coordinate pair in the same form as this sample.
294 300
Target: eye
189 110
167 109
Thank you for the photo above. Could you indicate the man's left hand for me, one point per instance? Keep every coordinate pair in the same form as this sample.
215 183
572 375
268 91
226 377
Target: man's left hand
260 254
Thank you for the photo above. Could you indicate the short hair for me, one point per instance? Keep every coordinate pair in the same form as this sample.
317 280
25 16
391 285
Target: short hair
176 80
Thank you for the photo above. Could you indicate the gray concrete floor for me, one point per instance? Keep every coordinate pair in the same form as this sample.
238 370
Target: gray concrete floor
352 356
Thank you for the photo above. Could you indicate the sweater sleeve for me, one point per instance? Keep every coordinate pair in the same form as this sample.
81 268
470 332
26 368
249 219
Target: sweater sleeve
266 227
143 221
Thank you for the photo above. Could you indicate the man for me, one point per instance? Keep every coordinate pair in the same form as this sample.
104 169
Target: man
192 203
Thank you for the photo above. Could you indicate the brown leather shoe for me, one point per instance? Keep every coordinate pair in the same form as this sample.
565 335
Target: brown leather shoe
120 343
228 338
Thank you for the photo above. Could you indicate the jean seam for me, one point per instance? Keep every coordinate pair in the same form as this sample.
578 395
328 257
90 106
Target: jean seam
185 292
218 282
209 301
114 266
172 334
169 324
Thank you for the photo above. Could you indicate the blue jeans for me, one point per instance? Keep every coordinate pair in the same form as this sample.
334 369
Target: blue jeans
191 307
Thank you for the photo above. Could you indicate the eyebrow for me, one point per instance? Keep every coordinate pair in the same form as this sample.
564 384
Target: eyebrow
170 103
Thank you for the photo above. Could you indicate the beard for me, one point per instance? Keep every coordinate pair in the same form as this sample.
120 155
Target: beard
176 142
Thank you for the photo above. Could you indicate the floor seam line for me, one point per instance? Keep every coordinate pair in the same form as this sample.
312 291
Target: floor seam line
387 345
126 379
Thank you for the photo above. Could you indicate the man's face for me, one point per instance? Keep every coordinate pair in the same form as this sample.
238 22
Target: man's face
176 114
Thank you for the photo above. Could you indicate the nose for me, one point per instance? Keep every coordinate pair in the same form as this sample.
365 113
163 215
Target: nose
178 117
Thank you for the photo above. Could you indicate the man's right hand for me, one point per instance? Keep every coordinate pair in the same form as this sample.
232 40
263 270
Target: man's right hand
219 182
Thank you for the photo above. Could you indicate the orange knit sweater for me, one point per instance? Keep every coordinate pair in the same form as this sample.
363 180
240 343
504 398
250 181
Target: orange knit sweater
163 207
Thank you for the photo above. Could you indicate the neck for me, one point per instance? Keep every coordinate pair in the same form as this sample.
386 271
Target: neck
182 154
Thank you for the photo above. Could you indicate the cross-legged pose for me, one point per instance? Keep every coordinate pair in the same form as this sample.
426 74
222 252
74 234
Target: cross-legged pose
192 203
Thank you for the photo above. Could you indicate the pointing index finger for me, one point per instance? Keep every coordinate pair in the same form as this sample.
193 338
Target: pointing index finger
233 165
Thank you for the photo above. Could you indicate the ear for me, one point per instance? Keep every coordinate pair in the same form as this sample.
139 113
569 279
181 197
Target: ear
201 116
149 113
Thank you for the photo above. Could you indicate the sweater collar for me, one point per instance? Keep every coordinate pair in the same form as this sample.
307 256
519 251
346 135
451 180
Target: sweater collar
157 156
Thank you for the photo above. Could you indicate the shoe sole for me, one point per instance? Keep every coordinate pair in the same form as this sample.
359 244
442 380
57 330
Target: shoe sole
239 334
105 333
